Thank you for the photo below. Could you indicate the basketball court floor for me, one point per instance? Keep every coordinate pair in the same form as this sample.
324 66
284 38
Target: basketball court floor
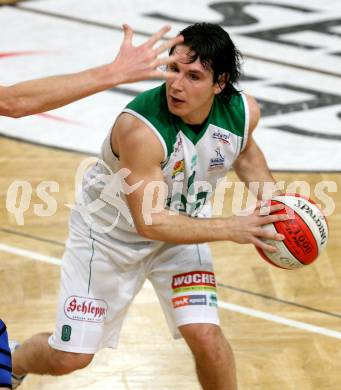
284 326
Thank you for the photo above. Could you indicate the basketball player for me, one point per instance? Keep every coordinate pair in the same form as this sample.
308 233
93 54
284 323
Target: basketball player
131 64
5 359
168 147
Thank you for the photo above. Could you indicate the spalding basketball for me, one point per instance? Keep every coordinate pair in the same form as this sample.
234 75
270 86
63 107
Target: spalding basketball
306 233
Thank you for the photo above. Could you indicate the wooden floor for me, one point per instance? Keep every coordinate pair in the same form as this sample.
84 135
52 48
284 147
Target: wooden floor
270 356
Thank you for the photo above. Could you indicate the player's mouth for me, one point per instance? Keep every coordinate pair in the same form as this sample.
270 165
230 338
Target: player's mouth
176 101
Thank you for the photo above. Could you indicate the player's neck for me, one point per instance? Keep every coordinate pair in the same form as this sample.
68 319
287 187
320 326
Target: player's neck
195 122
199 115
196 118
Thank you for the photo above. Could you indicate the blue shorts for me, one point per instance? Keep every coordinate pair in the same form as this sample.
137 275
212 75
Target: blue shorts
5 358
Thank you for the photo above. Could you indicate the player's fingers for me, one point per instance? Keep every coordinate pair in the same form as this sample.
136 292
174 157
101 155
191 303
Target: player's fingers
262 203
265 211
157 36
263 245
258 205
271 235
273 218
268 209
128 34
168 44
277 207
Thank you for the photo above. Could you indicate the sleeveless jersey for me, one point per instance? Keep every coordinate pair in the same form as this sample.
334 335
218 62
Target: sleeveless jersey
193 162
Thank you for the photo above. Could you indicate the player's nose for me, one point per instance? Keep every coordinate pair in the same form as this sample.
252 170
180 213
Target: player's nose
176 82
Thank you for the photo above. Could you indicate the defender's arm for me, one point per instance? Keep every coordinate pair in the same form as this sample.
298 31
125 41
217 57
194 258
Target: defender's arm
131 64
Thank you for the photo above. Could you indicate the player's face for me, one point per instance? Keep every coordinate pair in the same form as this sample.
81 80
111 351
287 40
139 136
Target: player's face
190 93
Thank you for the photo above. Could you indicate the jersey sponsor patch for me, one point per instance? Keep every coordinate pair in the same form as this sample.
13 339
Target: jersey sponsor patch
85 309
223 137
188 300
217 162
178 168
194 281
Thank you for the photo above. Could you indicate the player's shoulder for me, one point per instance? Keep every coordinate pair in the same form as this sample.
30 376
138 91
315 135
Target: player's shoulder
245 103
252 103
254 111
234 103
236 99
135 136
231 112
128 126
151 109
149 103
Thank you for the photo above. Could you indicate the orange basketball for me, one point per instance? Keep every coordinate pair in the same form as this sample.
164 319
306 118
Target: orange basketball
306 233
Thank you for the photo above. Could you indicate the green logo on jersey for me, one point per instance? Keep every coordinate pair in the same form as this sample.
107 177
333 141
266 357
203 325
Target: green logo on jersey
66 332
190 203
194 161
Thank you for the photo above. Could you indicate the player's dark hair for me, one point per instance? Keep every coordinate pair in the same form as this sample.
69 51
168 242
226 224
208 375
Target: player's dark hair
216 51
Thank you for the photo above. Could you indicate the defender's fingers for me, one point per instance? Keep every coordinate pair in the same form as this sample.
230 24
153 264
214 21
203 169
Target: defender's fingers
128 34
162 75
157 36
168 44
164 61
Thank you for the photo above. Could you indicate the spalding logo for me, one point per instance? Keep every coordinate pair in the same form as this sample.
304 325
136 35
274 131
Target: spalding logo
316 218
85 309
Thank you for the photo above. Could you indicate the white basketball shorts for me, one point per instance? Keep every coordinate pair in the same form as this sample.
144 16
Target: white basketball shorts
100 277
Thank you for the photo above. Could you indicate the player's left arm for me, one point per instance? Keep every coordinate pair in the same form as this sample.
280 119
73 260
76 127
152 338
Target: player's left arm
251 166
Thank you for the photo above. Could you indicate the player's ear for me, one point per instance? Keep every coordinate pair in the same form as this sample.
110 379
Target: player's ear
221 83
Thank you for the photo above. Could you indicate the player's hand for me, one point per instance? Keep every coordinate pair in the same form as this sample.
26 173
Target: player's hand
135 63
248 228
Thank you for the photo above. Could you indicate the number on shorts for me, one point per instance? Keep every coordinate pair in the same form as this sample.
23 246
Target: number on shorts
66 332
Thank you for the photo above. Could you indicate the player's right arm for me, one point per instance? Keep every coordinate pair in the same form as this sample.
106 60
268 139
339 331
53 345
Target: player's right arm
141 152
132 63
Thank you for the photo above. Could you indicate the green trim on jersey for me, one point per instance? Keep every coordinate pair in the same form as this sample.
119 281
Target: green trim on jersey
230 113
152 106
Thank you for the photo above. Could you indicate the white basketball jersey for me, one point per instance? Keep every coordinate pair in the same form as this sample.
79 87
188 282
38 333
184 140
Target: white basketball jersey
193 162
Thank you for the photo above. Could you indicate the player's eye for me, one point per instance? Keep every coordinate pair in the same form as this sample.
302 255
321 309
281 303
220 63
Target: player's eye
193 76
173 68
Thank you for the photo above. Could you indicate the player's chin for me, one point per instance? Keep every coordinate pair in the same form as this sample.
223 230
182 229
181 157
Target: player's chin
177 109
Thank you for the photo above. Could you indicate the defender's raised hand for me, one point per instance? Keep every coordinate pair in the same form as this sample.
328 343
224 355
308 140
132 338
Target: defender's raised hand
135 63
